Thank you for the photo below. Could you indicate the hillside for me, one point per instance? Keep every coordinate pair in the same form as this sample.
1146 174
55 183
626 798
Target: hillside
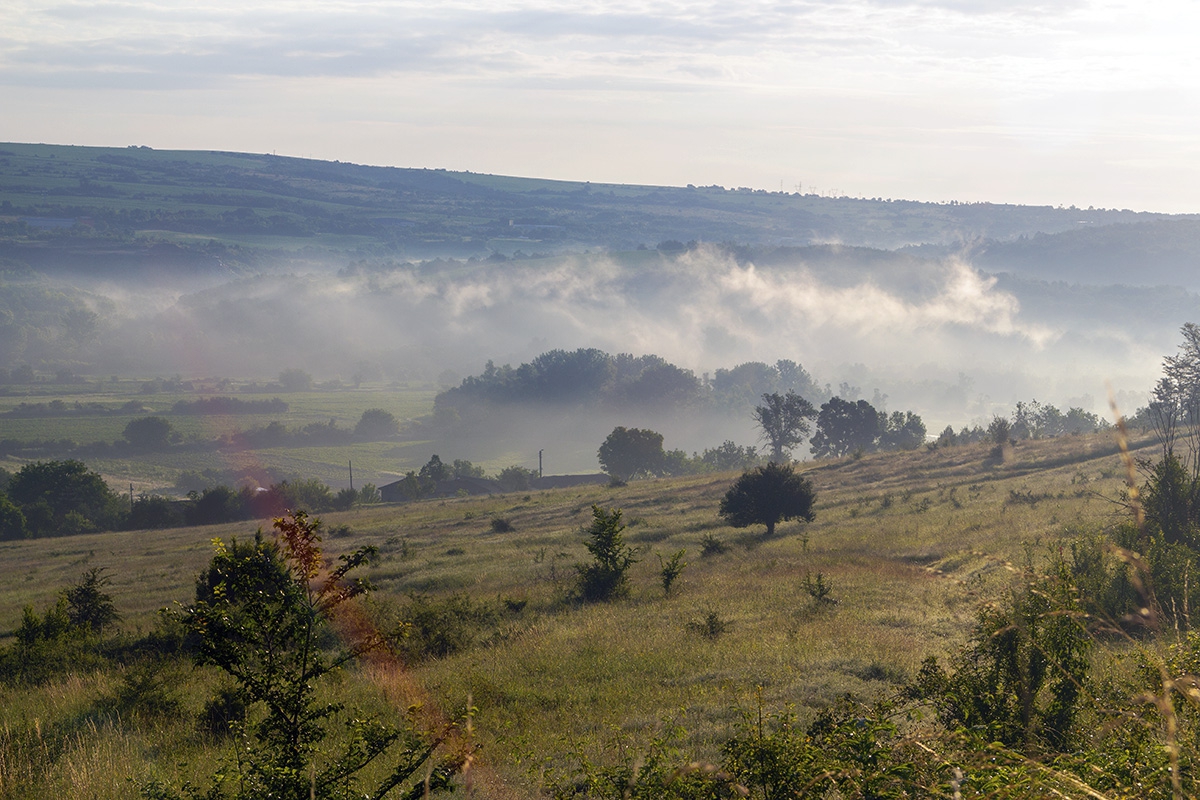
115 209
908 546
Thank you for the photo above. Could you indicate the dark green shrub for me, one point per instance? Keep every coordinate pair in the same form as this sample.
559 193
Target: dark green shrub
439 628
605 578
152 512
344 500
670 570
1020 681
515 478
711 627
261 616
89 606
147 690
818 588
224 713
712 546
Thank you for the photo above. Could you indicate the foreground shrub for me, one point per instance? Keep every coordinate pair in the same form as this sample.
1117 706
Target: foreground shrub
605 578
260 615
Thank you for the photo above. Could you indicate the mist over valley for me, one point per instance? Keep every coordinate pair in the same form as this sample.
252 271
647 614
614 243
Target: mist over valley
955 311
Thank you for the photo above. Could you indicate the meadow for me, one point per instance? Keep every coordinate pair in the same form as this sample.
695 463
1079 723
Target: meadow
377 462
907 545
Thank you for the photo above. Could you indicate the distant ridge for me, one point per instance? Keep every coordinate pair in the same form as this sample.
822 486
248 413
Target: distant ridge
226 209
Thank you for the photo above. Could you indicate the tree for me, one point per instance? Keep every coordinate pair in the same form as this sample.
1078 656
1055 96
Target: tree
605 577
261 615
12 521
50 492
434 470
89 606
295 380
844 427
784 420
730 456
215 505
999 431
628 453
903 431
375 424
767 495
148 433
515 478
461 468
661 384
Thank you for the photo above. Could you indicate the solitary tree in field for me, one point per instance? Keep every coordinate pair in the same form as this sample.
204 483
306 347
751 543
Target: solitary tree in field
376 423
784 420
631 452
295 380
148 433
767 495
605 576
844 427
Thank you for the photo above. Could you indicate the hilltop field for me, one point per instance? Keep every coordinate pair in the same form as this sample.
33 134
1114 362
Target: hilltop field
904 550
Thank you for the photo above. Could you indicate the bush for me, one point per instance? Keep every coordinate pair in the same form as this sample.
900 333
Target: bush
260 615
344 500
605 577
152 511
148 433
439 628
766 495
375 424
89 606
515 478
224 713
670 570
712 546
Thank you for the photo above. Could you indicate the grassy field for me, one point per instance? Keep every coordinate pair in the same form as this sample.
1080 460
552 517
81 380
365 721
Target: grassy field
376 462
911 544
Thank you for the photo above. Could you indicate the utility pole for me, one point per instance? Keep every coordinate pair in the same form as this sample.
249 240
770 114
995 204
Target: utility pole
351 463
131 497
539 463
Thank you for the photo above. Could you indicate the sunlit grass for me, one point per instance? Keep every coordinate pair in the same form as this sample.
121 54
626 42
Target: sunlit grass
910 545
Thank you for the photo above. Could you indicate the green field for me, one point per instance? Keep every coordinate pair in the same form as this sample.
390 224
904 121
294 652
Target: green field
377 462
911 545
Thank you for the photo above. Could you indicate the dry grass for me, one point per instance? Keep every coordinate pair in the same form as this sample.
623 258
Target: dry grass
910 542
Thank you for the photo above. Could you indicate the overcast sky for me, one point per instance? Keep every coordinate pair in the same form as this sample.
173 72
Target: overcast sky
1056 102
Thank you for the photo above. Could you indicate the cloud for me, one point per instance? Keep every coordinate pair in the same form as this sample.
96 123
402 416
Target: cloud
89 42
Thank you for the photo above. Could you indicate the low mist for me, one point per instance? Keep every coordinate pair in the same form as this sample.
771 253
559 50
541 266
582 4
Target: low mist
937 337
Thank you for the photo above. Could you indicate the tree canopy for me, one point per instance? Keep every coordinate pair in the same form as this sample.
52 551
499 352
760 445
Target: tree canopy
62 497
631 452
148 433
768 495
784 420
844 427
593 377
376 423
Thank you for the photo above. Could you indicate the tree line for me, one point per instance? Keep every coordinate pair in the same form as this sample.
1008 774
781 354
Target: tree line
785 420
155 433
591 377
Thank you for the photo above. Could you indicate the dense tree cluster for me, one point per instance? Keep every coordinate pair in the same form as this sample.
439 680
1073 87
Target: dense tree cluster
51 498
1032 420
60 498
844 428
590 377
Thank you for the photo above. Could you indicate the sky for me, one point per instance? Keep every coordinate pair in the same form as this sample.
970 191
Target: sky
1059 102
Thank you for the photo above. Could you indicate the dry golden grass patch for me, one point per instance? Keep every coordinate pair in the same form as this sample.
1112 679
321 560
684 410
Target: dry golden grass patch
909 545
